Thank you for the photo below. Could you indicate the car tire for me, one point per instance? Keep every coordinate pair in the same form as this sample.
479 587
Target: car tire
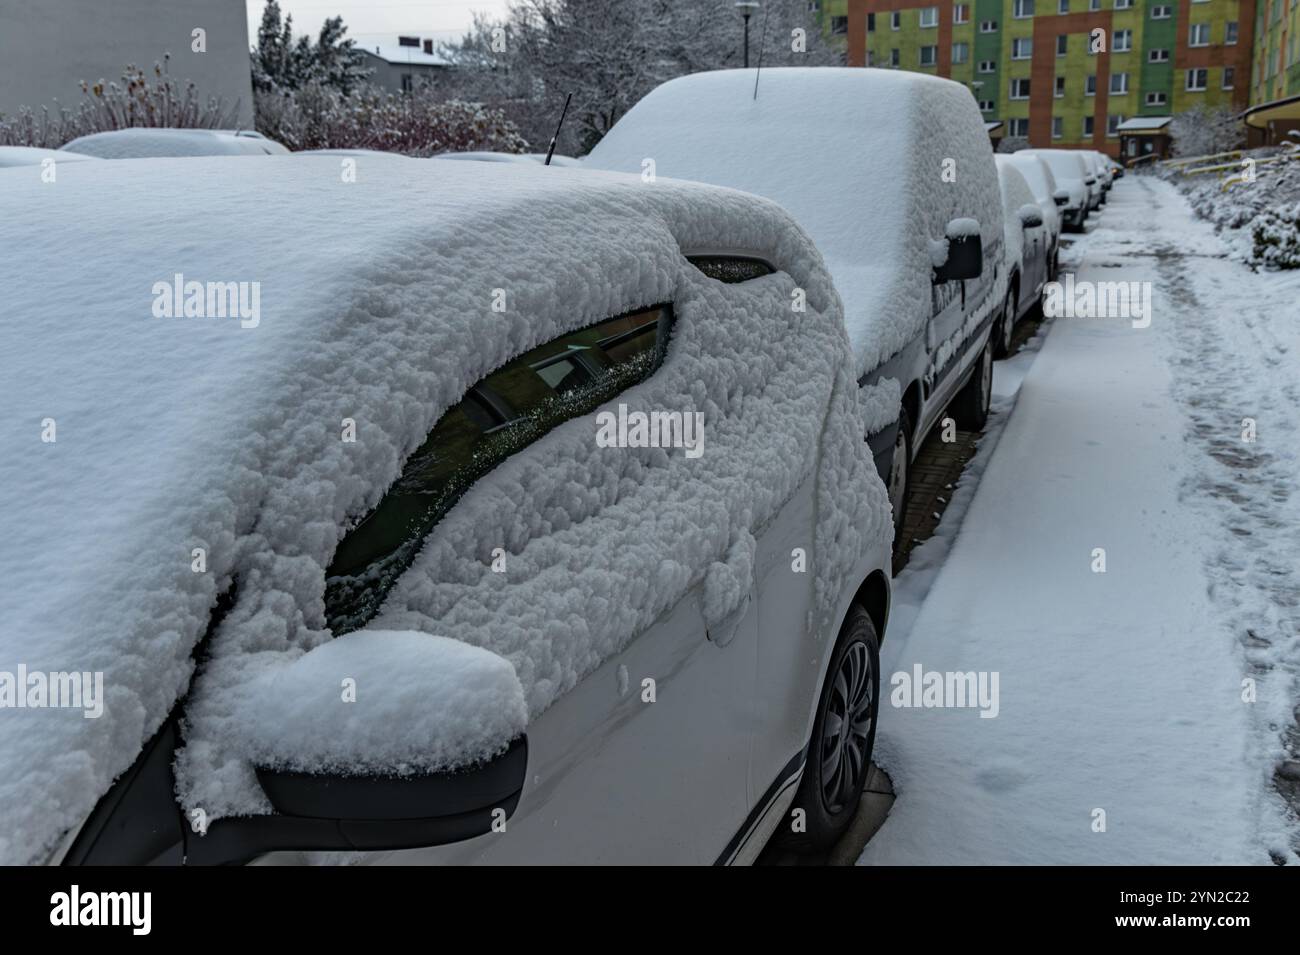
970 409
900 475
838 763
1005 329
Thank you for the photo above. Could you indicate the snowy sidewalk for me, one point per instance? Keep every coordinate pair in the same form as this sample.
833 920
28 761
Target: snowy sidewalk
1119 692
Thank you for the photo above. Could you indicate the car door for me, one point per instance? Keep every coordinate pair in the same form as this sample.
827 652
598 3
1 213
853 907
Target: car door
646 759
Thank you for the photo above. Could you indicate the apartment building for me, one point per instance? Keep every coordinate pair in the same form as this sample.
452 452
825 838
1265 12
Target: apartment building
1063 73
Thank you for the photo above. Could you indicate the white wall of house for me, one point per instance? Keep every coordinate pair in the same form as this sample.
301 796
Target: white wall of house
47 47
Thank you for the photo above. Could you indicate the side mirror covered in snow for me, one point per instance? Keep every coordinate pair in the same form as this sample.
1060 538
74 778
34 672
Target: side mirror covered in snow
1061 196
1031 217
965 259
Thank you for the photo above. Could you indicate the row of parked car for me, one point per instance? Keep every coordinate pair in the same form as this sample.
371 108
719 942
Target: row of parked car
876 196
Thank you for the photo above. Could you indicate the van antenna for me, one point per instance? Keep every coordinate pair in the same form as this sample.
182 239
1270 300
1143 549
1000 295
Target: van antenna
762 42
558 126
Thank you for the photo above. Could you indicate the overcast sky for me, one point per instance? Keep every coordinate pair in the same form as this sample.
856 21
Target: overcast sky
366 19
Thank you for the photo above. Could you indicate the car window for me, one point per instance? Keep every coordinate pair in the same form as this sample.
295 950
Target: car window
502 414
732 269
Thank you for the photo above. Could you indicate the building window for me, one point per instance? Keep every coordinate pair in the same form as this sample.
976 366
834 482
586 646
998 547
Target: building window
1022 9
839 25
1123 4
988 66
1087 127
1112 124
929 55
895 20
929 16
1022 48
960 13
1230 32
1158 56
871 23
986 106
1157 99
1197 80
1060 87
408 82
1090 85
1123 41
893 58
1058 127
1019 127
1094 4
1062 44
1119 83
1229 77
960 52
1161 12
988 26
1020 89
1199 35
1063 6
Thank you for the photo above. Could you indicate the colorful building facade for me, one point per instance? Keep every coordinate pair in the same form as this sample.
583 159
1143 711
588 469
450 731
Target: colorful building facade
1065 73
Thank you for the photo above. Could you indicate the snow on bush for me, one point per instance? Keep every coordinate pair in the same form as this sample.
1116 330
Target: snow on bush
1276 234
139 100
318 116
197 454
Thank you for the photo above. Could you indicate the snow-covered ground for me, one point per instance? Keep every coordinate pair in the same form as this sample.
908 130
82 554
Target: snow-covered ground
1124 731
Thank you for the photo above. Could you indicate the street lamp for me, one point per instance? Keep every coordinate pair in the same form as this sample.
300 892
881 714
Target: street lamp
746 9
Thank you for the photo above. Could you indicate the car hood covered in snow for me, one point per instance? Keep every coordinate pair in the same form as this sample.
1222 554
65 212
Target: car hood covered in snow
153 460
857 156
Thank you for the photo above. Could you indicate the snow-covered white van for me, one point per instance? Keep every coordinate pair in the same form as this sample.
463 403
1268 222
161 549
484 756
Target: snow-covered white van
451 512
1051 199
892 175
1072 174
1028 250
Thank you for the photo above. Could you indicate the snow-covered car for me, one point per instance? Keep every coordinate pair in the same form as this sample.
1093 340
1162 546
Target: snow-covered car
1028 250
1101 169
1072 175
143 142
1050 198
892 175
11 156
538 529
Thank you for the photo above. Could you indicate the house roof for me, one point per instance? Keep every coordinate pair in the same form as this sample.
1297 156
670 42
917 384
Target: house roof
994 124
1144 124
392 49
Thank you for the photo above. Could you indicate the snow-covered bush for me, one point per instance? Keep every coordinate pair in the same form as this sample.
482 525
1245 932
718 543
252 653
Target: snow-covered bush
139 100
1011 144
1276 235
1203 130
318 116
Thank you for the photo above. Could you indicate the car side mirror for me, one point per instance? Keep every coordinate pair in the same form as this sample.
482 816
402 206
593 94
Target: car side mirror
1061 196
1030 216
965 253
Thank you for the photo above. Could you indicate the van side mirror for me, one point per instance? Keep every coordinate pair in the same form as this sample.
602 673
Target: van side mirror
1031 217
965 259
1061 196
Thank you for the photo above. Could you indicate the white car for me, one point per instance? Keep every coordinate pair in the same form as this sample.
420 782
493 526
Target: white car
540 529
490 156
1051 199
1028 250
892 175
142 142
1072 174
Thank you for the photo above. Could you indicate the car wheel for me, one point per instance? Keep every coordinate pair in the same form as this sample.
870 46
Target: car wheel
900 473
971 406
844 733
1005 329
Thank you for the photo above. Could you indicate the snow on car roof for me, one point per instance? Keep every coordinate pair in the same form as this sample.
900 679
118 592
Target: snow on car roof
1036 172
1015 194
141 142
856 155
34 156
153 459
